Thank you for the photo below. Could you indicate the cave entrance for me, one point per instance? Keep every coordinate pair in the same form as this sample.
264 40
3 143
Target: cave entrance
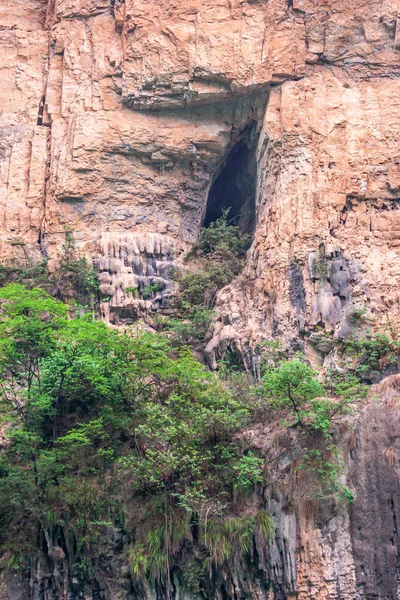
234 186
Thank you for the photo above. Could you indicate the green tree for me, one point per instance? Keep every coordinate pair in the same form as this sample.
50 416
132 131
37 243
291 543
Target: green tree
96 419
292 386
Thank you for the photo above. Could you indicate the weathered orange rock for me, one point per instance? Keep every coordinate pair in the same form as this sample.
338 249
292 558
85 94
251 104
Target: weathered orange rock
115 118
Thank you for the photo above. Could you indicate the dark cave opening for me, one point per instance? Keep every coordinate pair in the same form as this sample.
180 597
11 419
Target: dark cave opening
234 186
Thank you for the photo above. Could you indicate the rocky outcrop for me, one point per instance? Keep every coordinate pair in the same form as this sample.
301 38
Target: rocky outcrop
328 205
116 117
321 549
135 273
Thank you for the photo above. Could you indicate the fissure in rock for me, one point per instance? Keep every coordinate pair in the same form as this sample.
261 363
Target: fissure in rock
234 187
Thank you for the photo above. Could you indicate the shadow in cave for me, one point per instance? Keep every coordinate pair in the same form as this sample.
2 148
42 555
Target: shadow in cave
234 186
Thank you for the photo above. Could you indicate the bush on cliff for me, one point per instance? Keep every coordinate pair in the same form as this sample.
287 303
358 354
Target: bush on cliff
292 387
74 279
216 259
220 253
98 423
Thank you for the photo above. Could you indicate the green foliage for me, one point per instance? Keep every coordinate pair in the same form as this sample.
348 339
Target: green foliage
76 276
371 355
225 538
149 555
192 325
249 472
96 420
131 290
321 266
148 291
357 314
193 573
99 422
31 274
291 386
150 559
345 385
219 255
234 536
220 540
198 288
223 236
213 262
328 465
266 525
272 354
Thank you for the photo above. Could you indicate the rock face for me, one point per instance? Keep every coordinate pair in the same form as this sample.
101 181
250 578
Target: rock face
116 118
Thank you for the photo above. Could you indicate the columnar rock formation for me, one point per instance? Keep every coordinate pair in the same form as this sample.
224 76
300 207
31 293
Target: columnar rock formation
115 119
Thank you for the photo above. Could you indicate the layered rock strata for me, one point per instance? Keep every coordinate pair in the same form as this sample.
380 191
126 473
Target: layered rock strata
116 117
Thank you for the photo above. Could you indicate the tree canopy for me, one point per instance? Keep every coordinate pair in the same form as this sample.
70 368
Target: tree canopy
94 418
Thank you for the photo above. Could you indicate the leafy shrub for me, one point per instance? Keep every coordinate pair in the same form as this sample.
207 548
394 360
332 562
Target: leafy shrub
198 288
371 355
345 385
76 276
222 236
357 314
248 471
220 251
213 262
148 291
193 573
192 325
131 290
96 421
291 386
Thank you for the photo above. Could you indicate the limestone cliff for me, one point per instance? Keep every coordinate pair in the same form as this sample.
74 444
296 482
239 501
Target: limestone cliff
118 119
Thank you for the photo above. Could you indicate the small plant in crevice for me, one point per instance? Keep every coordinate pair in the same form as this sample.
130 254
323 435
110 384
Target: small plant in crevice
76 278
132 291
149 291
322 266
358 314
